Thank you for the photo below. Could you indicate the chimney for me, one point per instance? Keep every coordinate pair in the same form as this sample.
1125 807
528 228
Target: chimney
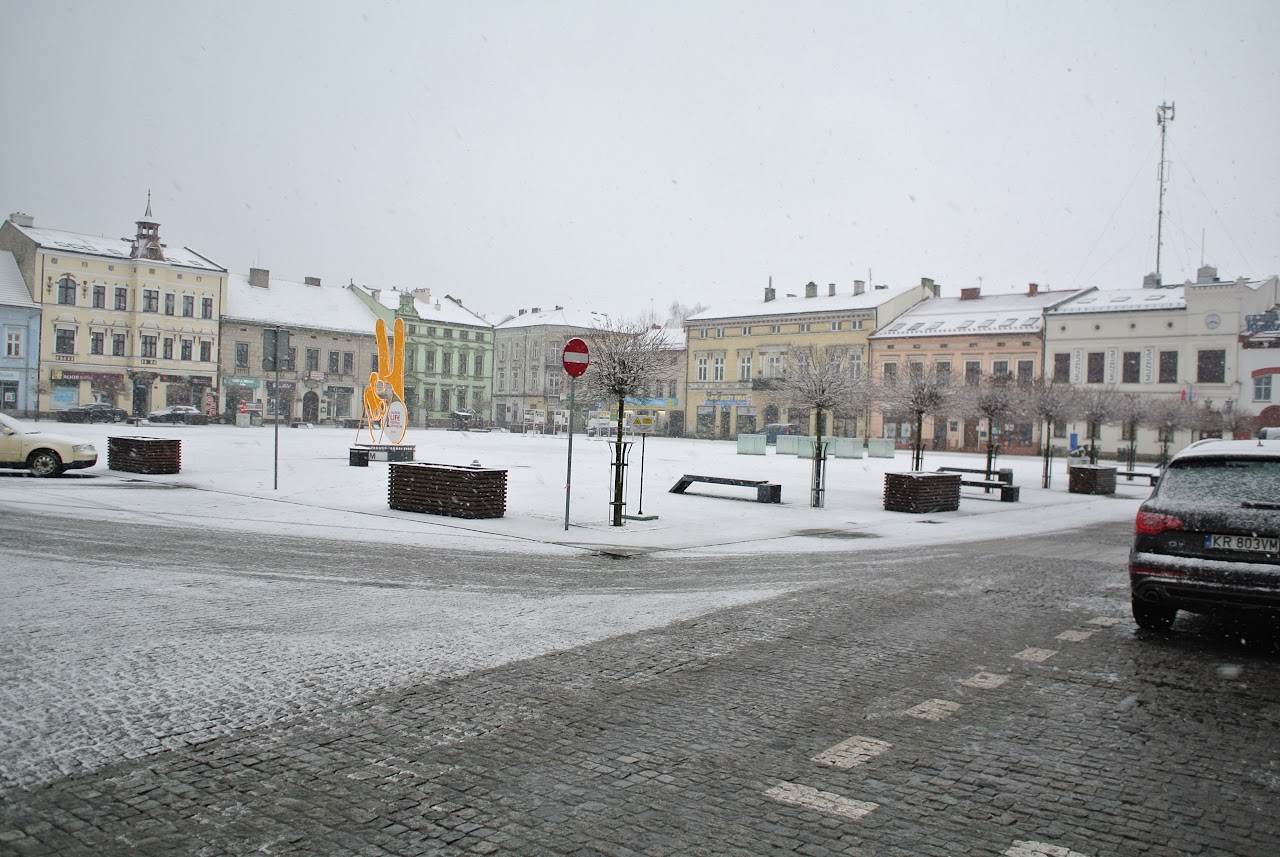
311 281
534 310
377 294
558 307
811 290
859 286
769 293
423 293
1033 289
522 312
831 289
1206 274
926 283
971 294
20 219
1151 281
260 277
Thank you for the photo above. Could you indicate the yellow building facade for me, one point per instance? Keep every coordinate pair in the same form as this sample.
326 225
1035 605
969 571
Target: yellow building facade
130 322
736 353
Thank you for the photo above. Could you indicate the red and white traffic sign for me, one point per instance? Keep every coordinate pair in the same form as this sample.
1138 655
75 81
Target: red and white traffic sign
576 357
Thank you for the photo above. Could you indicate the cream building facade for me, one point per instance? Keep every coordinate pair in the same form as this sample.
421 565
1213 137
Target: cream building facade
133 322
736 353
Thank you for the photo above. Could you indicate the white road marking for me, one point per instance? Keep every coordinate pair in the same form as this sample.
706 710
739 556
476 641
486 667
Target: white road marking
986 681
1074 636
933 709
852 752
832 804
1104 621
1025 848
1038 655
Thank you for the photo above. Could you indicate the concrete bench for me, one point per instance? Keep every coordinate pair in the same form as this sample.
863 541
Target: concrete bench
766 492
1004 475
1008 493
1153 478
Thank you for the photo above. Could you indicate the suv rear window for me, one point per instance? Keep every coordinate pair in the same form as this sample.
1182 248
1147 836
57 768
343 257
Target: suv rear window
1218 481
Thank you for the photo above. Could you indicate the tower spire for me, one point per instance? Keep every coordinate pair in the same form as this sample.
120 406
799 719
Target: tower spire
148 214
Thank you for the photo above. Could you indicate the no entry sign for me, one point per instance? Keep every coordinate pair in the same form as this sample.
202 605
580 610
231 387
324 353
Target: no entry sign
576 357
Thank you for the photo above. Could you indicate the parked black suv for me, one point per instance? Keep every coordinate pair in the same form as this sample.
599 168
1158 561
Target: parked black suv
1208 537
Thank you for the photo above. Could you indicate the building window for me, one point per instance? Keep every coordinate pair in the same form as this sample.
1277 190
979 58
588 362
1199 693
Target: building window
890 374
166 348
206 307
1097 367
13 343
293 360
464 334
479 365
117 345
1060 428
186 350
1026 371
462 365
206 351
717 368
99 297
999 367
1168 367
1062 368
746 331
719 333
64 341
836 325
702 333
150 300
702 367
448 333
1131 367
803 327
333 362
431 360
242 355
348 362
773 366
1262 388
972 372
170 304
941 371
446 363
148 345
97 339
1211 366
122 299
188 305
67 290
479 336
775 328
373 363
855 364
313 359
744 367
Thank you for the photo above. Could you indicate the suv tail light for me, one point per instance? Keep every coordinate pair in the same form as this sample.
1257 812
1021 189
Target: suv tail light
1154 523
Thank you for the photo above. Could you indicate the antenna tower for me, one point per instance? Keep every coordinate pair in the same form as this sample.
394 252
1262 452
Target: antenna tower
1164 115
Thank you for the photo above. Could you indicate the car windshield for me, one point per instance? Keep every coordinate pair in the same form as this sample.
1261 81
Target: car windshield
16 426
1222 481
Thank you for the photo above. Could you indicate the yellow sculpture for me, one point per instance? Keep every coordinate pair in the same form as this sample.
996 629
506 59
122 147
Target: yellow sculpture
384 405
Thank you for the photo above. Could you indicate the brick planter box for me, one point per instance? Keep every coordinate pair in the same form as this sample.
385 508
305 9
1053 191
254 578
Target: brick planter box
446 489
1091 479
144 454
920 493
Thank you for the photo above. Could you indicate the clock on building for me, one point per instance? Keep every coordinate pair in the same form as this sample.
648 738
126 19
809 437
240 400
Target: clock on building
1212 320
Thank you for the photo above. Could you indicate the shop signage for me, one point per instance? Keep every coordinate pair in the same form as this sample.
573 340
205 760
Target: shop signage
72 375
653 403
728 399
206 380
173 379
334 390
243 382
10 376
284 385
314 376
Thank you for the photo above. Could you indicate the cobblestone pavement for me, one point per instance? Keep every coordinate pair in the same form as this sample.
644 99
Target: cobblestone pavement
990 698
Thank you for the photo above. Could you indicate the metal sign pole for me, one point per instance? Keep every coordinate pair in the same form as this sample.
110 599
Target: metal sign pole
640 508
568 476
275 465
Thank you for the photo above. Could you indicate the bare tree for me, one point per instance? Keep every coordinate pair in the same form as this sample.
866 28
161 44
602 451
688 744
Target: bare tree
924 392
1049 402
627 358
1132 411
821 380
995 398
1098 405
678 312
1169 415
1227 421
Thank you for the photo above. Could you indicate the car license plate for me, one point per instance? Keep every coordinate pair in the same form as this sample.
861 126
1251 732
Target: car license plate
1260 544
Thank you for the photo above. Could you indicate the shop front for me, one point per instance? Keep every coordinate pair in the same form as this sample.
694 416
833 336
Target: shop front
69 388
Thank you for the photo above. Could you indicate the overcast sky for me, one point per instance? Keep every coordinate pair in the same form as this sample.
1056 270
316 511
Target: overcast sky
625 155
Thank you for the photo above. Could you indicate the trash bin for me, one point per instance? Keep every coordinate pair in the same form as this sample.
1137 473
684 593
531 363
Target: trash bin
359 457
242 420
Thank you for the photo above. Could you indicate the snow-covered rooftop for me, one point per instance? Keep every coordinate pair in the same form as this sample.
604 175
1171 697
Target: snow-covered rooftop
797 304
1123 300
1006 313
112 248
298 305
443 309
13 289
558 317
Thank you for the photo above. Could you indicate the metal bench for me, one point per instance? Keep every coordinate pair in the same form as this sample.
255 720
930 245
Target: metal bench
1004 475
1008 493
766 492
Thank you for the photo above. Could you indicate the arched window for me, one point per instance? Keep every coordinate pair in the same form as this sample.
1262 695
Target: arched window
67 290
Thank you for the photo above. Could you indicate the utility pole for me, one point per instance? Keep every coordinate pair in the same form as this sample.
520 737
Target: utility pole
1164 115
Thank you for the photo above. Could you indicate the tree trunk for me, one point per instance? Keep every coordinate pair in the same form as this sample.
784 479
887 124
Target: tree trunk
618 459
917 451
1047 436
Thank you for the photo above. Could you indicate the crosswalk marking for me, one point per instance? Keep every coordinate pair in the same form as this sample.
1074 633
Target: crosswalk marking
852 752
827 802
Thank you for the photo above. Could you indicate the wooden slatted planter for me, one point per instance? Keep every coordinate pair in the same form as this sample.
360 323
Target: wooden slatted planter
447 489
1091 479
919 492
144 454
